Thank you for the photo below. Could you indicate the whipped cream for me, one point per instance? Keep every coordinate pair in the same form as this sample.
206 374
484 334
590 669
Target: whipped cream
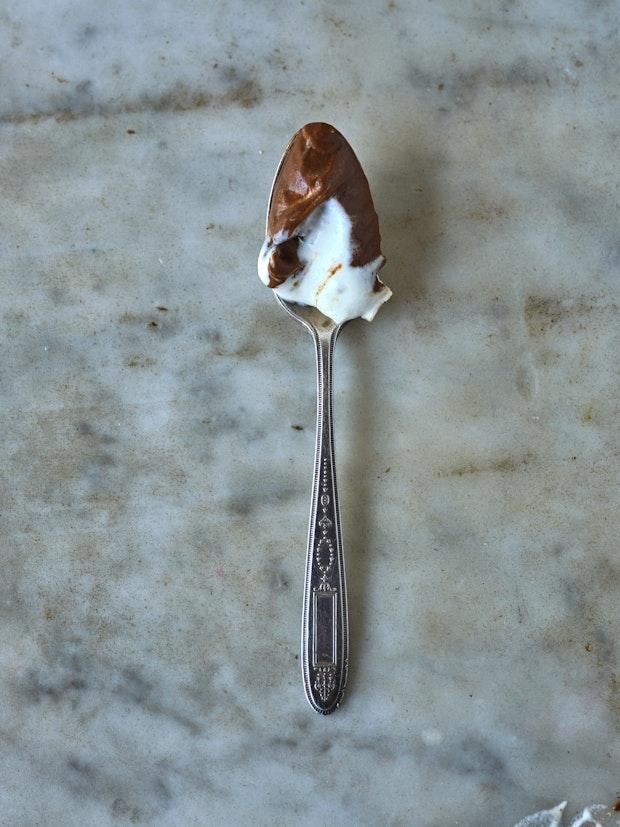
545 818
327 279
596 815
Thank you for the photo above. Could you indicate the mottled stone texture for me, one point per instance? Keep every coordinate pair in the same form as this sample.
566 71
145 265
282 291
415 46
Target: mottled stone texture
158 414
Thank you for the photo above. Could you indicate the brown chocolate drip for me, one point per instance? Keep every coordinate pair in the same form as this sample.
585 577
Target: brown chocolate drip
320 165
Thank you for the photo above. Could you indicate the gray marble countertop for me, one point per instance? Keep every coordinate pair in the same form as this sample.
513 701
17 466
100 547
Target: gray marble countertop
158 416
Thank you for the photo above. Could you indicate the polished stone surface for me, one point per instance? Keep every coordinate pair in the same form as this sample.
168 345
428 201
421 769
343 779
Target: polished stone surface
158 412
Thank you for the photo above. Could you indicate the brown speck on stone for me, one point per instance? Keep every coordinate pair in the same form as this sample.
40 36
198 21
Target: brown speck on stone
152 324
297 427
162 308
441 86
578 63
588 647
210 226
131 131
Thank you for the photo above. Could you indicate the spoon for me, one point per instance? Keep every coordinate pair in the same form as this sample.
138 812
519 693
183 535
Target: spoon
324 624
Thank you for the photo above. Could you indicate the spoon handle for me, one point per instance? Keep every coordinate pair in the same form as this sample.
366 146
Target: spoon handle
324 628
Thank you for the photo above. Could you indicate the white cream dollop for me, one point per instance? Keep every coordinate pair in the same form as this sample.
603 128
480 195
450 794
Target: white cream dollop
596 815
328 280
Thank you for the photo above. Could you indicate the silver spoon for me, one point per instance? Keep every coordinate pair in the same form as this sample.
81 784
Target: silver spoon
324 623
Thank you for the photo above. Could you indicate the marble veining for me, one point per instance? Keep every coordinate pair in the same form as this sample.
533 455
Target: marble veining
158 416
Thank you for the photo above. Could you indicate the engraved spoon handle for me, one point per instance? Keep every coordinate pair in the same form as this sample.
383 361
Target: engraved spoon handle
324 628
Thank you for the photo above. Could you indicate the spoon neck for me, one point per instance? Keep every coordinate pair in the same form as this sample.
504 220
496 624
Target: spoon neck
324 344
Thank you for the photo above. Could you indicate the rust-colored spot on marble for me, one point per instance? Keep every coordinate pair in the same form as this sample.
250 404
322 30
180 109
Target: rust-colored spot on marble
487 212
545 313
504 464
138 362
128 318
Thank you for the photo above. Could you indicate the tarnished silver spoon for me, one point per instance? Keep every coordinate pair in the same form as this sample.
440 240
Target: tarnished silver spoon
329 259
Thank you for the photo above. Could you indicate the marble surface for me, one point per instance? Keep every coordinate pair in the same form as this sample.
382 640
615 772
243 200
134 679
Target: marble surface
158 414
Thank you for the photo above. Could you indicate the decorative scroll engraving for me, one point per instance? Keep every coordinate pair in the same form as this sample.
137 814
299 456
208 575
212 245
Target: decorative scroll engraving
325 681
325 551
324 604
